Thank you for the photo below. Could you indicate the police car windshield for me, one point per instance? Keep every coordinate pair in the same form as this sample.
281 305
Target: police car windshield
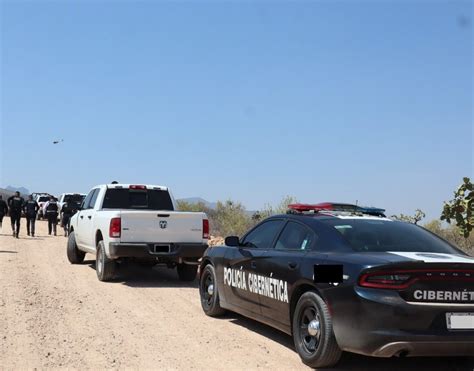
43 198
151 199
371 235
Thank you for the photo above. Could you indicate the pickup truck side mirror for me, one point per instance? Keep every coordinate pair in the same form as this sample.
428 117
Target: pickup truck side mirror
233 241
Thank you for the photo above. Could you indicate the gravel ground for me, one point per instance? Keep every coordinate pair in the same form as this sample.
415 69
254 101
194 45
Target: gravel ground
56 315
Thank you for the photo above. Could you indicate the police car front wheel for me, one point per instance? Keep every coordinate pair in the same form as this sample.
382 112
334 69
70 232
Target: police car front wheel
209 292
313 333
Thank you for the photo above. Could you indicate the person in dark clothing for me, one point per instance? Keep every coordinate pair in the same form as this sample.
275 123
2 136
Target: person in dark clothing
3 210
15 204
51 208
67 211
31 208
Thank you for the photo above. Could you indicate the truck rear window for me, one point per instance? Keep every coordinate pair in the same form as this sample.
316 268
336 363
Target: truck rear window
74 198
149 199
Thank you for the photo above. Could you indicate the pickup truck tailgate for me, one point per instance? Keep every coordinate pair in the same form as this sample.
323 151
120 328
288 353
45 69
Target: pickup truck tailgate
161 227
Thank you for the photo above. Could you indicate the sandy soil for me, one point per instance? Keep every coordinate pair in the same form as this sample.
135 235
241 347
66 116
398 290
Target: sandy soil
56 315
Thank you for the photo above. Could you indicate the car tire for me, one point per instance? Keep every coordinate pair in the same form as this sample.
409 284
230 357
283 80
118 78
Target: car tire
104 267
187 272
210 295
74 255
316 345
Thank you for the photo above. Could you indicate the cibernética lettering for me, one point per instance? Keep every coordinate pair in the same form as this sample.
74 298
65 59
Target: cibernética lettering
444 295
257 284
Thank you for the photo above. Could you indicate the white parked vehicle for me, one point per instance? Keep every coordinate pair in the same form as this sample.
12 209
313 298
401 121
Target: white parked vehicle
117 222
41 199
74 198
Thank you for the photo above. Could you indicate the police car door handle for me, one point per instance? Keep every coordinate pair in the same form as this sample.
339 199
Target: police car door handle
253 264
82 216
292 265
89 216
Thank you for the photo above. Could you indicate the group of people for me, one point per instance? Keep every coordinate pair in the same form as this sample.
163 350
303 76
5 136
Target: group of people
16 205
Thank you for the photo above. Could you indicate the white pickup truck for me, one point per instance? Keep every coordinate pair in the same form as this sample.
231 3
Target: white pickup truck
117 222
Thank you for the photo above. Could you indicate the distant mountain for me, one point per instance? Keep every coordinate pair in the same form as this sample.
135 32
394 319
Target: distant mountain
22 190
196 200
5 193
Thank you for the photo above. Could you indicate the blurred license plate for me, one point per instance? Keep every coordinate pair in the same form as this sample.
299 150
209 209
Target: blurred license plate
460 321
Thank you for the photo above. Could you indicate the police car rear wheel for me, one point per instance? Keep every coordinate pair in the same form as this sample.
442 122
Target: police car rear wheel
74 255
313 334
209 292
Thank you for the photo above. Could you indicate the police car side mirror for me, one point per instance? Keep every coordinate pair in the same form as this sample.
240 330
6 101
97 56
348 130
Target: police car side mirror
232 241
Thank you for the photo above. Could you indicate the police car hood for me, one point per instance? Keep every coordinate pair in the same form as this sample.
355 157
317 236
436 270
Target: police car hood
394 257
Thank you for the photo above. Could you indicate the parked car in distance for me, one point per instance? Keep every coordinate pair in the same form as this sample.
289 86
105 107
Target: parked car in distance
74 198
120 222
41 199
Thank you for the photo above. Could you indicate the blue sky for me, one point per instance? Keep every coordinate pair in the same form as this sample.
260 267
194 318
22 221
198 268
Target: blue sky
323 100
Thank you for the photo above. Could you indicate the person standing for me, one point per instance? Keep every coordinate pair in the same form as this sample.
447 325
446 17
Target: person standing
51 210
3 210
31 209
15 204
67 211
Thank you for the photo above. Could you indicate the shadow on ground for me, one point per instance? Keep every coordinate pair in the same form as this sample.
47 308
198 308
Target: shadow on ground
135 275
355 362
8 252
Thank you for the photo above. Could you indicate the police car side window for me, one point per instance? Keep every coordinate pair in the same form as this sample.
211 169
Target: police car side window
295 236
263 235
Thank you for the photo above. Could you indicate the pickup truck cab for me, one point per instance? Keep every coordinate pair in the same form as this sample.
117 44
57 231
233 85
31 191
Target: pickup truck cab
118 222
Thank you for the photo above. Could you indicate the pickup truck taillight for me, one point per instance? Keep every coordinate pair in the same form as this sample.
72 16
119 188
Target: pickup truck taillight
115 228
205 229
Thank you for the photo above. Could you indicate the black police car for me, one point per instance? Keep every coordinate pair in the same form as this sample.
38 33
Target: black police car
340 277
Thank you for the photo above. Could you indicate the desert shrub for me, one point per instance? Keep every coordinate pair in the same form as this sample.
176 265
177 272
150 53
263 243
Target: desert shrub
452 234
417 217
460 210
269 210
200 206
231 218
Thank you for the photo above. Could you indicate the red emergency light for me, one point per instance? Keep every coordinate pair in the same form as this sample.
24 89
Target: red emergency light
138 187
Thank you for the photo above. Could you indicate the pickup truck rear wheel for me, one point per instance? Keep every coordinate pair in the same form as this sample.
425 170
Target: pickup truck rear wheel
104 267
74 255
187 272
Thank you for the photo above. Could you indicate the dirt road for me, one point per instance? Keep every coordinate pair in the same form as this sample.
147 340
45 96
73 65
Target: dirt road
56 315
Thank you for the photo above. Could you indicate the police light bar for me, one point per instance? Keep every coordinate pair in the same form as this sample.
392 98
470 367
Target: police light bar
331 206
322 206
